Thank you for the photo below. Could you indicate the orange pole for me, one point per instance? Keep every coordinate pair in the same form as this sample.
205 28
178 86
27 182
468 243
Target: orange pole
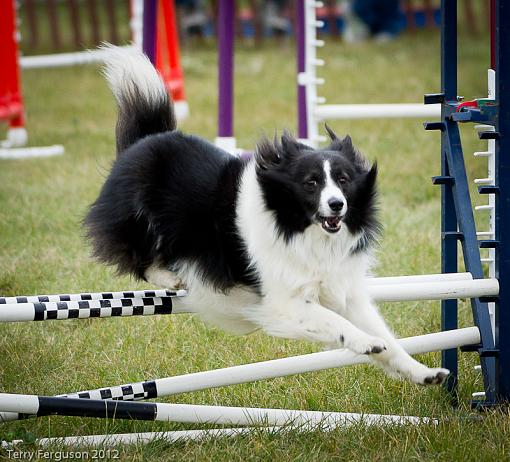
168 60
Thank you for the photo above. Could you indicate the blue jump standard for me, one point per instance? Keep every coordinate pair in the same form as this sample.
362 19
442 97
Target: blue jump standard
457 221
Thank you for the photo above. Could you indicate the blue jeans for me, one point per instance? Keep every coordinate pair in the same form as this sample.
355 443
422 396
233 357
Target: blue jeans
381 16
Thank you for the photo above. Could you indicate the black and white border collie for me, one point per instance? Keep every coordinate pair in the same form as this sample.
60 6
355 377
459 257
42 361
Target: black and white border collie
281 242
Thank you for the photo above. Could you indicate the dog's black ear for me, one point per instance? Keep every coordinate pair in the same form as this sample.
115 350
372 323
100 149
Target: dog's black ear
366 184
347 142
348 150
331 133
290 146
371 176
267 154
344 146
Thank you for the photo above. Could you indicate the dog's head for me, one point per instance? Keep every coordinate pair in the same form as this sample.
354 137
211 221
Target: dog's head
330 188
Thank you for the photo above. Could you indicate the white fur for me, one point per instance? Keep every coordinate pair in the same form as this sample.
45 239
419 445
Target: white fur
330 191
127 69
314 289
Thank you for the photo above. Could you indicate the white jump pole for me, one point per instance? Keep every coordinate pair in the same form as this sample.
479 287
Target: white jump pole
64 59
118 439
379 281
29 153
307 363
187 413
376 111
442 290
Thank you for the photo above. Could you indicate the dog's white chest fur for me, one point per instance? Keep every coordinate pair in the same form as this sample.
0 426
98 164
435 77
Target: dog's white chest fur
310 265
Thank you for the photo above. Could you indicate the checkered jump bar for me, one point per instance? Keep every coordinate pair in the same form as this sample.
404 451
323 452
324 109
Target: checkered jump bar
103 308
91 296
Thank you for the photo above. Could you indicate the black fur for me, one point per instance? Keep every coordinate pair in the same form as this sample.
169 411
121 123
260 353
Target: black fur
170 199
138 117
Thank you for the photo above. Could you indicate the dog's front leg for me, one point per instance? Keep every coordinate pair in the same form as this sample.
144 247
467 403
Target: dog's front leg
361 311
303 319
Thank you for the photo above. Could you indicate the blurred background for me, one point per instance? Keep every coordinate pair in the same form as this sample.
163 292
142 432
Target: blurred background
65 25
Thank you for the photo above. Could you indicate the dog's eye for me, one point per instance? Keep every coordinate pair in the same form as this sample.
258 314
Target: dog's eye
343 180
310 185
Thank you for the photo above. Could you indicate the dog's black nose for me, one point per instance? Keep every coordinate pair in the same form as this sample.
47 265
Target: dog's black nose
335 204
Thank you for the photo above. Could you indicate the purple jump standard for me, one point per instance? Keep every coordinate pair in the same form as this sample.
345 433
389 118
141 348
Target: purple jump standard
225 34
301 68
149 29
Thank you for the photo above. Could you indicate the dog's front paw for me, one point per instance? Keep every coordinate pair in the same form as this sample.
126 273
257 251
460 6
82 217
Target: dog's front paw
164 278
431 376
178 284
366 345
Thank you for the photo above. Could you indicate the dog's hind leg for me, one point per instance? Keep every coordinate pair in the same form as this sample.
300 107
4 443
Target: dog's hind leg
296 318
394 360
163 278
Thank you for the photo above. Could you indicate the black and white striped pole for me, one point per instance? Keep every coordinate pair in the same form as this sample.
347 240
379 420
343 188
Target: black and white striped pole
134 294
190 413
83 306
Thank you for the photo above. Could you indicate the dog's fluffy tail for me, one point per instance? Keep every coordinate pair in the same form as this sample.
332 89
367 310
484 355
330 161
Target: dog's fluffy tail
144 105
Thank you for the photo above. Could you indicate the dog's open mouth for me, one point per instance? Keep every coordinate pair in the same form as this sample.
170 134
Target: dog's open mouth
331 224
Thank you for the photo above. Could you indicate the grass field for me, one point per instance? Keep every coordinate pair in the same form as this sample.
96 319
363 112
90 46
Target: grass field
42 203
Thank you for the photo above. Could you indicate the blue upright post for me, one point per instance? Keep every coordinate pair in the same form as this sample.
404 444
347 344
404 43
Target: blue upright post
449 308
457 213
502 56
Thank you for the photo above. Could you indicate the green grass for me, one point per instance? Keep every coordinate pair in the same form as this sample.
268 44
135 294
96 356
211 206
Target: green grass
43 251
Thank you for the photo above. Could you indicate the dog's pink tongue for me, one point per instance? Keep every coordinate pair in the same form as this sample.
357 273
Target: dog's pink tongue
333 221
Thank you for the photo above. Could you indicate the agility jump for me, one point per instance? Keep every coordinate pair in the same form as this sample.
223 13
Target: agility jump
149 302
